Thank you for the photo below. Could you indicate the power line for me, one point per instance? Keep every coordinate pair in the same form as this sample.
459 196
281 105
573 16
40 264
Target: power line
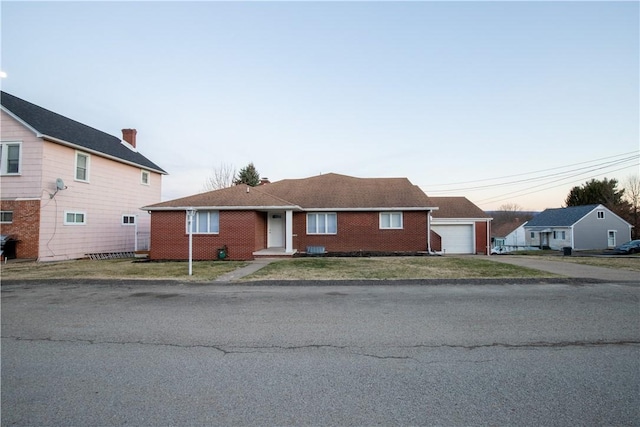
635 153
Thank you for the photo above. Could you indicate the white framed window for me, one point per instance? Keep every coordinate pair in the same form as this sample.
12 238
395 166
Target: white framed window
6 217
322 223
83 162
533 235
559 235
390 220
144 177
205 222
128 219
600 214
75 218
11 158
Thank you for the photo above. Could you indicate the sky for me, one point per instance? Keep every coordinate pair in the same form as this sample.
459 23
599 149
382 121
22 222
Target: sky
501 102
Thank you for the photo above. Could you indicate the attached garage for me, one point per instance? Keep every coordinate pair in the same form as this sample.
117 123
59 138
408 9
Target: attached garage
456 238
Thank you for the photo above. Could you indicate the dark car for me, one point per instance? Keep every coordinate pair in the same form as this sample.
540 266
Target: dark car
630 247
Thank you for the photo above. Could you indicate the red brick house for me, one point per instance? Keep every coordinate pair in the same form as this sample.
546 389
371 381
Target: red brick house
337 212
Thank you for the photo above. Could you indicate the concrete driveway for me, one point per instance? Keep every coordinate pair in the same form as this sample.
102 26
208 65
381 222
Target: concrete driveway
570 269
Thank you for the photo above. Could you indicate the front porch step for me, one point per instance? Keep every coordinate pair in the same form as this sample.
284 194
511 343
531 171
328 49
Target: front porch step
273 253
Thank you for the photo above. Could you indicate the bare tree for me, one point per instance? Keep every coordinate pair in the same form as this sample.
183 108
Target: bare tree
221 177
632 195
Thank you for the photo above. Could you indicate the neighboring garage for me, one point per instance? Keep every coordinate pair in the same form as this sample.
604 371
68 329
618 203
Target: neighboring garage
462 227
456 239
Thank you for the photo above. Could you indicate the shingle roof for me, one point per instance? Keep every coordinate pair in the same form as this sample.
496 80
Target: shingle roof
330 191
236 196
504 229
456 207
560 217
53 125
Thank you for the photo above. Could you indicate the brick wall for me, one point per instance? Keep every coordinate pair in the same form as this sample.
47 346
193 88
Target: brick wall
481 237
238 231
361 231
25 226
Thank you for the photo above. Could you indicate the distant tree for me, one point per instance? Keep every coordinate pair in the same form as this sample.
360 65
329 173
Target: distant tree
509 212
248 175
221 177
632 196
603 192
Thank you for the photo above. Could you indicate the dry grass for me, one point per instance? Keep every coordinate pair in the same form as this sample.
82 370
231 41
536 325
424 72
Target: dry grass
391 268
117 269
631 263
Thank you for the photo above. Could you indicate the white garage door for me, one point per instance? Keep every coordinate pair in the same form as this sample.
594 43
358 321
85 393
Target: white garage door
456 239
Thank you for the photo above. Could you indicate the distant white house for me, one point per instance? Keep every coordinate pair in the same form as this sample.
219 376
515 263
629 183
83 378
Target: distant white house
579 227
508 237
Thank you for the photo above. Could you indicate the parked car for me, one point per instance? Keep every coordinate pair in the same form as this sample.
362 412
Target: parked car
630 247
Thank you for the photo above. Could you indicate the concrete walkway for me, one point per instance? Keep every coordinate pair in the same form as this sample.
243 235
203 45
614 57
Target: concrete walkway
570 269
252 267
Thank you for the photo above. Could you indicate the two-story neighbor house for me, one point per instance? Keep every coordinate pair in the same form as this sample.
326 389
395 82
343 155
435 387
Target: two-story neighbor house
579 227
69 190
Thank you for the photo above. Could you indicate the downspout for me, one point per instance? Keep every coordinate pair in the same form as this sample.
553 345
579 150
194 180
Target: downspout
429 232
488 238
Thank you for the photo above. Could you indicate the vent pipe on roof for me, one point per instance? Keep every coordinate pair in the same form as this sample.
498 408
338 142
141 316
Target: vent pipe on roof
129 136
264 181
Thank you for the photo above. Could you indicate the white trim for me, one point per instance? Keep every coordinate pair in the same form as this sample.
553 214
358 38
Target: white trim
128 224
3 157
88 167
195 221
326 223
391 214
222 208
6 222
84 218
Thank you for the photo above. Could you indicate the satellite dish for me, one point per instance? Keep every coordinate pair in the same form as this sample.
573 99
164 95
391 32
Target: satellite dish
60 184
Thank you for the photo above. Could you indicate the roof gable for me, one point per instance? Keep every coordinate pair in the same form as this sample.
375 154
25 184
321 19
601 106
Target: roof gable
560 217
456 207
53 125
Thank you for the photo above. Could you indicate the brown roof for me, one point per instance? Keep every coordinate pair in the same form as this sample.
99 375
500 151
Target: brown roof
329 191
241 196
456 207
503 229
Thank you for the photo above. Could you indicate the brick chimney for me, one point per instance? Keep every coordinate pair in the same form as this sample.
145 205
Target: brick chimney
129 135
264 181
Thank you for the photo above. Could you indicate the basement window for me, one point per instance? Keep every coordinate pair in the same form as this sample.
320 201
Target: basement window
75 218
6 217
128 220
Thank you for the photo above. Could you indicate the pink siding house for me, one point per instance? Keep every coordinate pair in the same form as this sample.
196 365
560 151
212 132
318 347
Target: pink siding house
69 190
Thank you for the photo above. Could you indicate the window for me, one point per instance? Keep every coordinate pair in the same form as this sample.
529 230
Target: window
205 222
10 158
322 223
559 235
533 235
82 167
600 214
144 177
6 217
75 218
128 219
390 219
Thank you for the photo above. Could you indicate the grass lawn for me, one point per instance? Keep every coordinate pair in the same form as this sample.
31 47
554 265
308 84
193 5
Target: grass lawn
391 268
291 269
631 263
118 269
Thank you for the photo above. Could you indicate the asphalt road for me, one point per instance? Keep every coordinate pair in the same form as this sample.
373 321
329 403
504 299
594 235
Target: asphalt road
146 353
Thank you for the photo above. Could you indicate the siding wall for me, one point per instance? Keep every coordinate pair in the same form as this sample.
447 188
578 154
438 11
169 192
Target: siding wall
592 233
27 185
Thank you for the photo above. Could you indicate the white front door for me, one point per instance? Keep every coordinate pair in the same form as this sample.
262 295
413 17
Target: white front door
611 240
275 230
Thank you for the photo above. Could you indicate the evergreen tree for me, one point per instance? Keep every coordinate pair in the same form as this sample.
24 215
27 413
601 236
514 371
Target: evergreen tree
248 175
604 192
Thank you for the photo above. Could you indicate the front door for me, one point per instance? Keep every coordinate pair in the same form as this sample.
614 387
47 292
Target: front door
275 230
611 240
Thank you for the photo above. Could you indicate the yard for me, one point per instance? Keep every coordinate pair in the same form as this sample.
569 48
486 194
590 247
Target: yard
320 268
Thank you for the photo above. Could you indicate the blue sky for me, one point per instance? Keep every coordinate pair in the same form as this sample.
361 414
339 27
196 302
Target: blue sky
476 93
